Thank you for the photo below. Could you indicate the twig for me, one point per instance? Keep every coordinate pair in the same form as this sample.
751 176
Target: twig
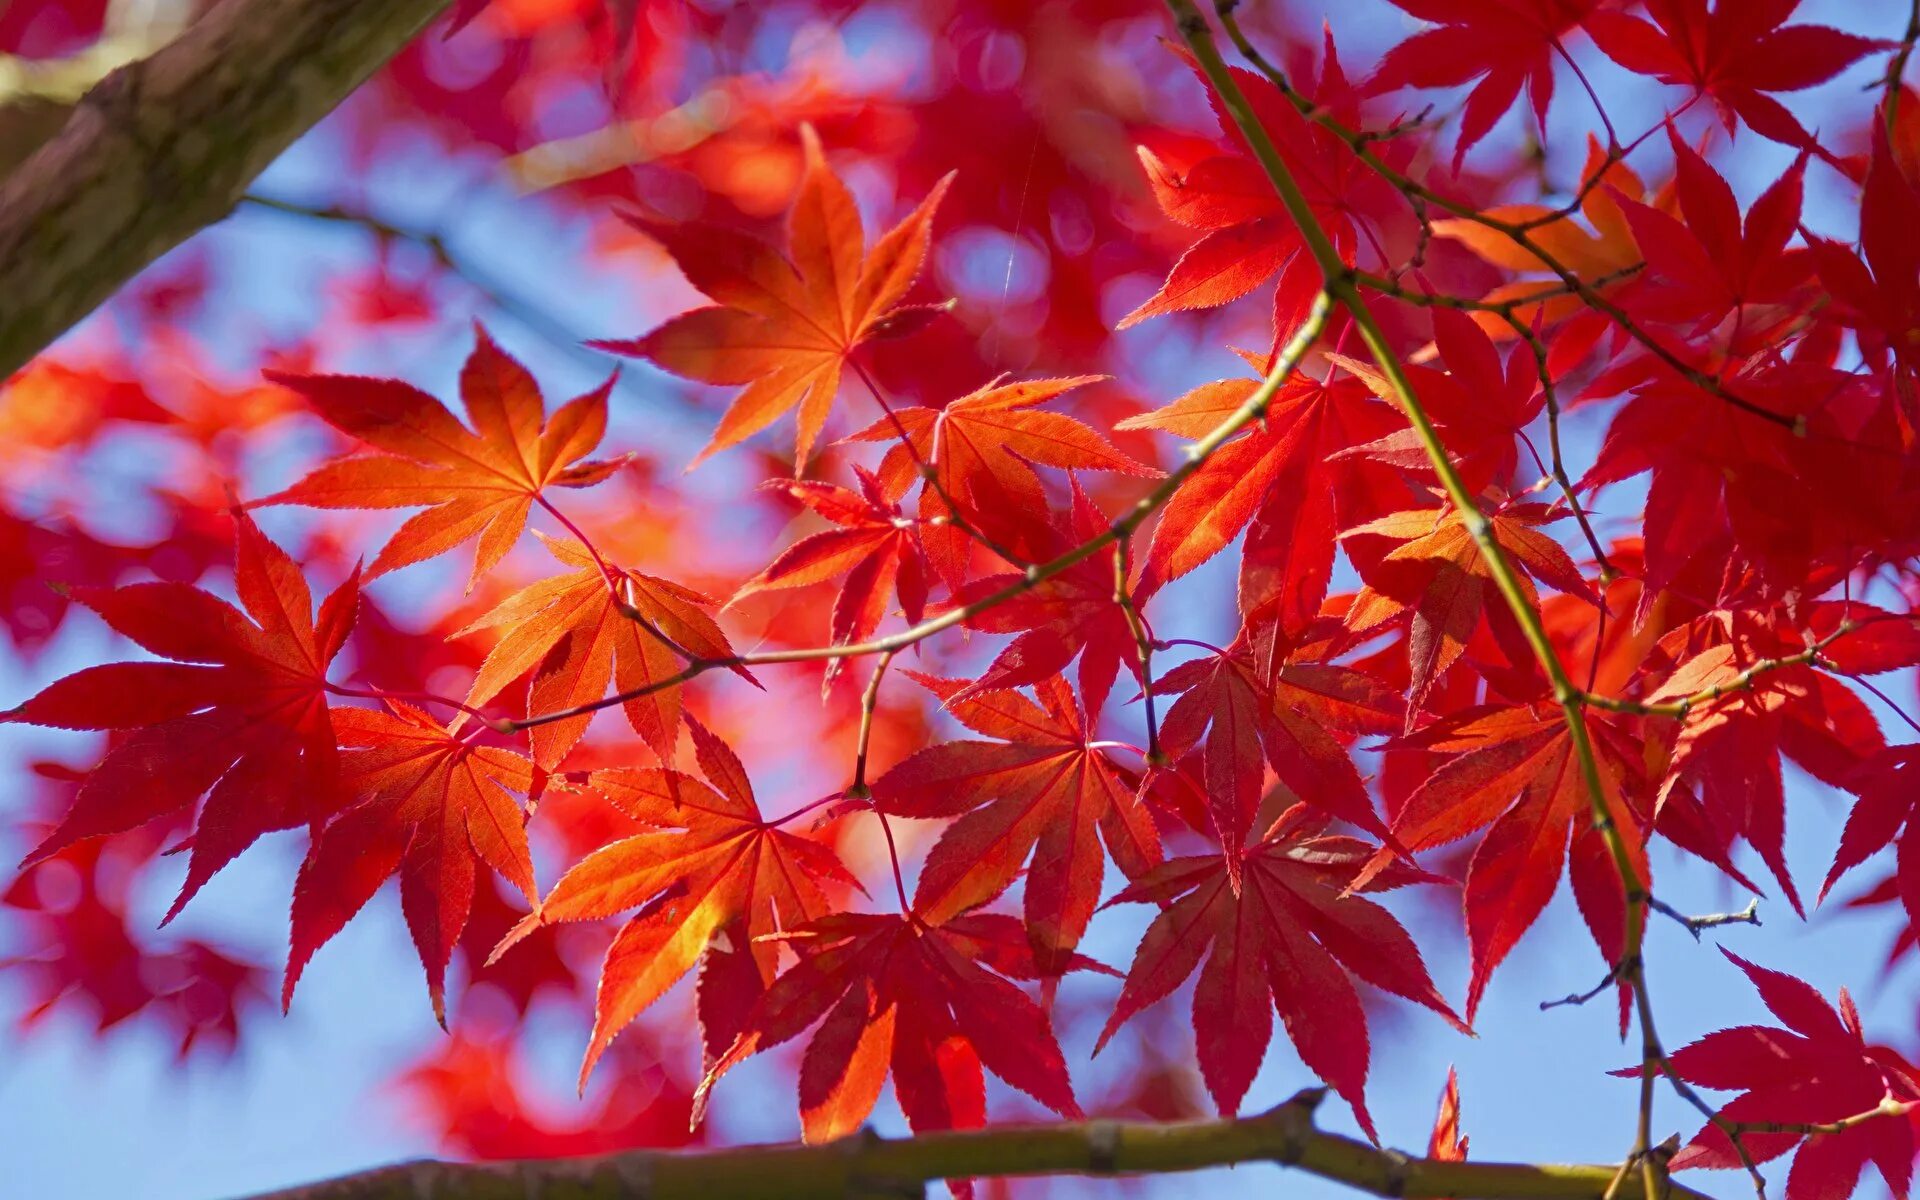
1750 915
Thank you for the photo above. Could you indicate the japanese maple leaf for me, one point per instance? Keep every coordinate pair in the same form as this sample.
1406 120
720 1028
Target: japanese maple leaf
574 633
1043 790
429 806
1246 236
1437 575
982 449
1479 404
1285 940
874 545
1600 255
1880 296
1817 1070
1736 53
1727 483
785 326
1887 793
712 865
1729 747
1514 773
480 482
1073 614
930 1003
240 713
1504 44
1279 480
1251 700
1703 266
1447 1143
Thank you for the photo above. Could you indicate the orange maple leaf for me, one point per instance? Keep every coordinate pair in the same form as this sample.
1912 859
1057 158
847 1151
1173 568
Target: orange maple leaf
785 326
430 806
712 862
470 483
574 632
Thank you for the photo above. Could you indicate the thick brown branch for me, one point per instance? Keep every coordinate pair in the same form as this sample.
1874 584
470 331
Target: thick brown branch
868 1165
166 146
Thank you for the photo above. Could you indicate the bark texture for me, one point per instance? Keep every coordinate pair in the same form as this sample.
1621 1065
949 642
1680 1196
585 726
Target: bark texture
868 1167
165 146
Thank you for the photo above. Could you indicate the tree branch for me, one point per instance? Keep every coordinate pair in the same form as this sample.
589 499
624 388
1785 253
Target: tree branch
867 1165
166 146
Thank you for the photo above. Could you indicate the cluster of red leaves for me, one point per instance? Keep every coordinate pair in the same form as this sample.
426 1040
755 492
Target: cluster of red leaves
1759 375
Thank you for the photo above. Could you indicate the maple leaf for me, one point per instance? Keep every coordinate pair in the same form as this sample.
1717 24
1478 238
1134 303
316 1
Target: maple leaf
1736 54
1479 405
1042 790
1603 253
875 545
785 327
928 1002
1516 774
574 633
712 866
1256 697
1728 748
1883 813
1880 297
1505 44
1285 940
481 482
982 448
1708 268
1447 1143
1817 1070
428 806
1437 574
1246 235
239 714
1073 614
1280 480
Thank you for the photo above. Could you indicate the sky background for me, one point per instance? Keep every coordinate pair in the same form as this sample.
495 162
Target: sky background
309 1095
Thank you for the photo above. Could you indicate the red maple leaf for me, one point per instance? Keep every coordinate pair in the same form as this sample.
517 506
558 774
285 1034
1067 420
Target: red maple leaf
1285 940
1515 773
472 483
875 545
1043 790
1880 297
1736 54
240 714
1255 698
712 866
928 1002
1818 1070
1280 480
1437 575
785 326
982 448
428 806
1505 44
1246 235
1728 749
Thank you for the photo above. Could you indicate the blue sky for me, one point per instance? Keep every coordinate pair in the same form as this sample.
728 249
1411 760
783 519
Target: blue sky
83 1118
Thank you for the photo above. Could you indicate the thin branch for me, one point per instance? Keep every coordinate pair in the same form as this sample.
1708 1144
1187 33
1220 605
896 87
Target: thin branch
1750 915
1142 642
